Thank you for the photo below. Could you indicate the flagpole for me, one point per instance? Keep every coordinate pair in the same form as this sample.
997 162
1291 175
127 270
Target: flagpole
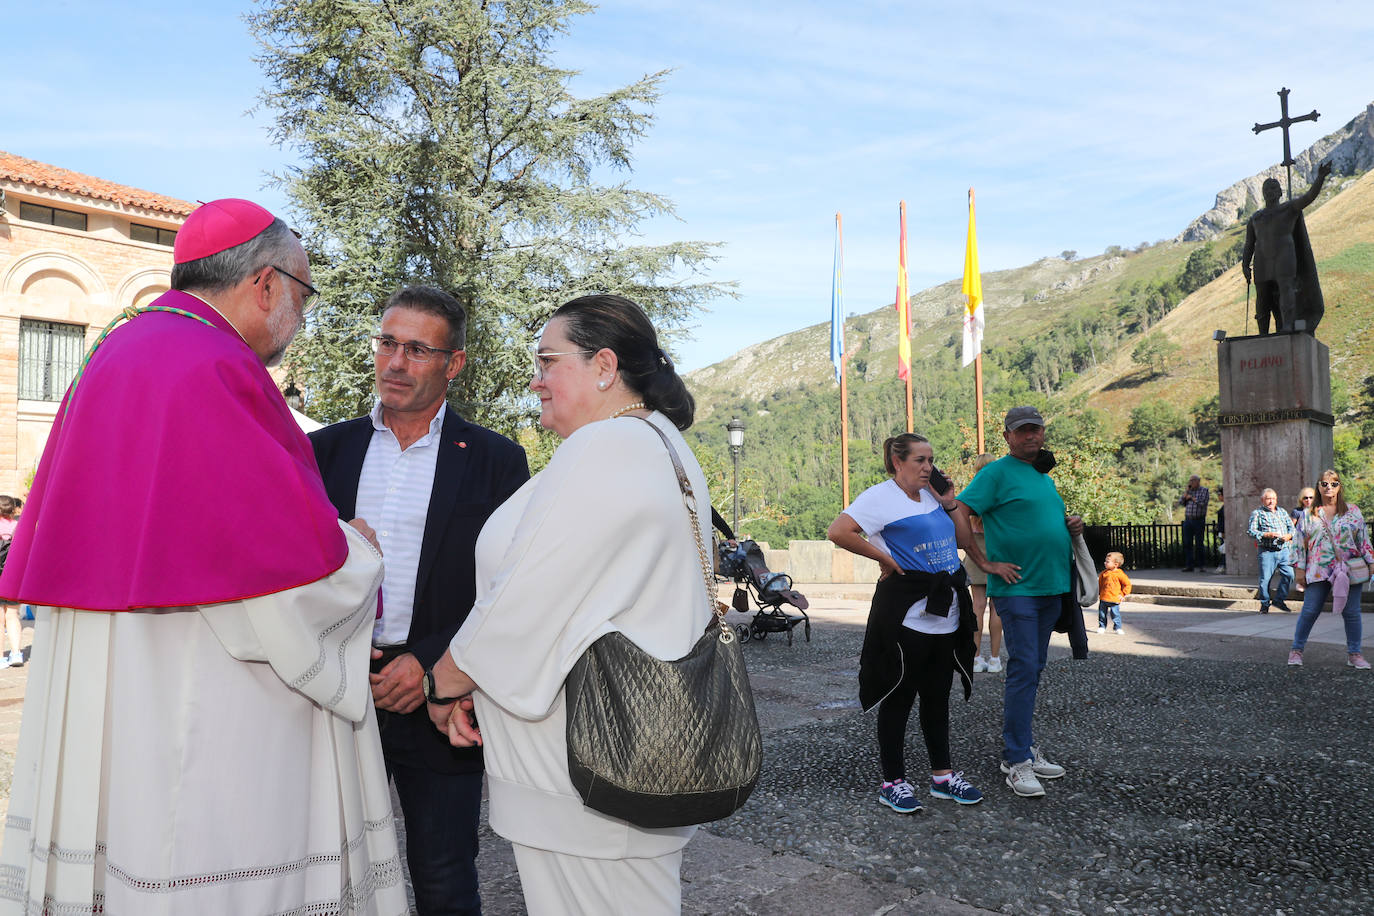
978 372
904 316
844 380
978 399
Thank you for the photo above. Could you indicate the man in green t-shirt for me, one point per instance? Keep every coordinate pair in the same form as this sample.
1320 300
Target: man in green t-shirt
1025 525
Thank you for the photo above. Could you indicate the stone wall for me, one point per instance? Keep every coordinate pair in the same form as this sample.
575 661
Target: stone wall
820 561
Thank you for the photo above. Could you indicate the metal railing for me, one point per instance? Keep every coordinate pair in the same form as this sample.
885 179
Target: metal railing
1149 546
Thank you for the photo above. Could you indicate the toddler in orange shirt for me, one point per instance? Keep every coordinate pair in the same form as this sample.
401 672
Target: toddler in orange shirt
1112 586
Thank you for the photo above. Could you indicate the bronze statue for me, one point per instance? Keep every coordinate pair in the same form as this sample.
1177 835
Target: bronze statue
1285 273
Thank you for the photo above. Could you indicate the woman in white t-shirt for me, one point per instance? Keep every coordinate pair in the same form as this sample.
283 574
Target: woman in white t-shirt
920 628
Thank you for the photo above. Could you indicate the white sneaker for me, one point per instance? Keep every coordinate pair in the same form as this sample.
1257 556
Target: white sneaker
1101 629
4 661
980 664
995 664
1041 767
1021 779
1120 631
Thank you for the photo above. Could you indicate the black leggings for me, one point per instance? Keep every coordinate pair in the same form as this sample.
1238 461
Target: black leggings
928 670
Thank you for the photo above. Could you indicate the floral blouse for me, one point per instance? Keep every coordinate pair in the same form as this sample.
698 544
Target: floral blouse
1316 552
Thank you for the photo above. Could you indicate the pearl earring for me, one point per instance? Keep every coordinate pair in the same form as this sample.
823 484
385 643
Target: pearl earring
601 385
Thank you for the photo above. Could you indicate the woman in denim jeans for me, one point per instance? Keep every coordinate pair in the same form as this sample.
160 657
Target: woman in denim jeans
1332 532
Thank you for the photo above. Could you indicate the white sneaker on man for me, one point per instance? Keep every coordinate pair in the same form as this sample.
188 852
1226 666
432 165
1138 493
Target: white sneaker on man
1101 629
1021 779
1039 765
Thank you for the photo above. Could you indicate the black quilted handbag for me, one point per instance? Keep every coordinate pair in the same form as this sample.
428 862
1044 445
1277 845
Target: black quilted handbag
665 743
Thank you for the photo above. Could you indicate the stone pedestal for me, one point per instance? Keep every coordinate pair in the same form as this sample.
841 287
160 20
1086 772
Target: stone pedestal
1275 422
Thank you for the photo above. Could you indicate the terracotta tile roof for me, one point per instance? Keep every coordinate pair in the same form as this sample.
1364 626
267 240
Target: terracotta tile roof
29 171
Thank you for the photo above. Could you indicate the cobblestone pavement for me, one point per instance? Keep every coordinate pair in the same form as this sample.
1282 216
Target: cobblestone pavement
1205 776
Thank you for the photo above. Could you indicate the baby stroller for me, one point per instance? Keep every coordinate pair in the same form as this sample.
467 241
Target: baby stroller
769 590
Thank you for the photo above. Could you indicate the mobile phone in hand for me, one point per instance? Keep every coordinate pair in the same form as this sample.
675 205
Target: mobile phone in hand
939 482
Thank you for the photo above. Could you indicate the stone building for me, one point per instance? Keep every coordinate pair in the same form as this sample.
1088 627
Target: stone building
74 251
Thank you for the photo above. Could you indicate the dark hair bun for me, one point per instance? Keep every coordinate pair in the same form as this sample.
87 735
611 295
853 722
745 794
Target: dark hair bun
615 323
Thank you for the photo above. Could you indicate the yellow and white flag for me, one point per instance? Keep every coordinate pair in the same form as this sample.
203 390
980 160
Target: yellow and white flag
973 292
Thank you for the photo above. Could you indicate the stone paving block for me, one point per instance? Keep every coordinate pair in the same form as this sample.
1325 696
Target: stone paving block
833 891
931 904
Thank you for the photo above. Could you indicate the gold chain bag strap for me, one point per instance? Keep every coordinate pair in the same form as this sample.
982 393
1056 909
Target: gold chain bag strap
665 743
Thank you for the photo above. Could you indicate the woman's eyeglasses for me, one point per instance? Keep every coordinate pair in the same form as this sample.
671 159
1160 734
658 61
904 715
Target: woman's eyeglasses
543 359
1329 484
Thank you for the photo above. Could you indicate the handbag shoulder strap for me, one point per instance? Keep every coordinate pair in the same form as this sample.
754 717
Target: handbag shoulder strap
689 499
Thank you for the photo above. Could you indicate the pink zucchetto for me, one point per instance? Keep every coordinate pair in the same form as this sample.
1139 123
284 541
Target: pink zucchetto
218 226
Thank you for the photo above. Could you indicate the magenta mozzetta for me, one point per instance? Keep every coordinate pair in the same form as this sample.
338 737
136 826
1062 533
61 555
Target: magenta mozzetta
188 531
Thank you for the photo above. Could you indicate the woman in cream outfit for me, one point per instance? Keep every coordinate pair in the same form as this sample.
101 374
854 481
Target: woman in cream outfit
597 542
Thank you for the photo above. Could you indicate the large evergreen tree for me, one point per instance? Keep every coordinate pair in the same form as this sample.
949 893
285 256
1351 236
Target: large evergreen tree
440 145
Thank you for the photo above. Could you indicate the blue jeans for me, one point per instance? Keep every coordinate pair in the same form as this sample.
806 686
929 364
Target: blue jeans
1192 541
1103 609
1269 560
441 813
1027 622
1316 595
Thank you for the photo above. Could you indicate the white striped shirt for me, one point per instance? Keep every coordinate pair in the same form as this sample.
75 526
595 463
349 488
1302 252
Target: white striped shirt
393 497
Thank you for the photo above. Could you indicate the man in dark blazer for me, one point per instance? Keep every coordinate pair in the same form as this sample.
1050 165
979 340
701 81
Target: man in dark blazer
425 480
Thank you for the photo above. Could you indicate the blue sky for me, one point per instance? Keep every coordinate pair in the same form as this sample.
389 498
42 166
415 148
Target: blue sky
1080 125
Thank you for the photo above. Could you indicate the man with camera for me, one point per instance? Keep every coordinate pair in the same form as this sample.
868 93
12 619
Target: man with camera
1194 503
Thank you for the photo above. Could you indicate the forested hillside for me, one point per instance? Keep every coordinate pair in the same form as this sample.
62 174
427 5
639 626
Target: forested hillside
1116 348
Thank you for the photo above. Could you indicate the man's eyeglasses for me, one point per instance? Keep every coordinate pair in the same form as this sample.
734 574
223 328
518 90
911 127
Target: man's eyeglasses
544 359
1329 484
312 295
386 347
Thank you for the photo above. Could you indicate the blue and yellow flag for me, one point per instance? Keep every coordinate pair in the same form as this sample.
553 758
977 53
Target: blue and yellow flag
903 313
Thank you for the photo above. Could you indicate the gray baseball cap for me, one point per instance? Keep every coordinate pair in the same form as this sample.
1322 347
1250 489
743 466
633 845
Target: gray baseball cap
1023 416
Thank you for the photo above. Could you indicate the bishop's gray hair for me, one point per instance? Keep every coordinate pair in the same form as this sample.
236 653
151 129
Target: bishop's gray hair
218 272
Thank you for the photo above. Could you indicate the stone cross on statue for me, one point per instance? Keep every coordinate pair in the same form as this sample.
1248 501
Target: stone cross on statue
1285 122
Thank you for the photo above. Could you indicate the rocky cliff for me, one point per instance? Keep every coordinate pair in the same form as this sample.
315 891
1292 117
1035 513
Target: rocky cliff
1350 149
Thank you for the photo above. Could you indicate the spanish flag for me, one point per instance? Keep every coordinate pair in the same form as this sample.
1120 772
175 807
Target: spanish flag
903 315
973 290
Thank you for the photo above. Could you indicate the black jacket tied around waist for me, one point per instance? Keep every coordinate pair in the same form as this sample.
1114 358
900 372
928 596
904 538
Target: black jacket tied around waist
880 661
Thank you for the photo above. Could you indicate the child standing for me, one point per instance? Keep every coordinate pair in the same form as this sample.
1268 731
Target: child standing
1112 586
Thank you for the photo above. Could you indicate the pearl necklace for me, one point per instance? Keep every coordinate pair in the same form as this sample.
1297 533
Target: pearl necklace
637 405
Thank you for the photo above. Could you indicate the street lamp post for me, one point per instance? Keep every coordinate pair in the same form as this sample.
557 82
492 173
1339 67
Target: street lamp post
294 399
735 430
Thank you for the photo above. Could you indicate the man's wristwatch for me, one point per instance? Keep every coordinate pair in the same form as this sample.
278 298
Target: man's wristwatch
427 685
